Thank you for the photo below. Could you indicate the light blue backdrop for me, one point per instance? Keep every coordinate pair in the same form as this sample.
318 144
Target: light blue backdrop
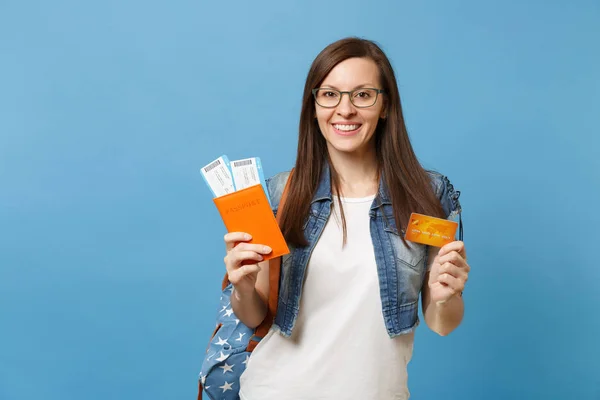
110 246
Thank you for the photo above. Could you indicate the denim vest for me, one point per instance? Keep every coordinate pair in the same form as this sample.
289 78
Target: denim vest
401 270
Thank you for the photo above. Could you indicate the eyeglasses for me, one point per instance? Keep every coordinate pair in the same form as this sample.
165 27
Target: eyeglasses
361 98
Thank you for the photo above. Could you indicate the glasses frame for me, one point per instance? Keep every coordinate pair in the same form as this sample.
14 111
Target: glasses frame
349 92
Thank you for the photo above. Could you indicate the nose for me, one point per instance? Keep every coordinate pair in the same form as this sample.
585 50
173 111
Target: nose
345 108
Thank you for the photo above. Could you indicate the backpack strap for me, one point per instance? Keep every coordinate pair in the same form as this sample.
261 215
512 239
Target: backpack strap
274 274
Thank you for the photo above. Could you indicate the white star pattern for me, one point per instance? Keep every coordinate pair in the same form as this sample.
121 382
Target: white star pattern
221 342
229 312
202 379
223 309
226 386
237 321
211 356
240 338
246 361
227 368
223 357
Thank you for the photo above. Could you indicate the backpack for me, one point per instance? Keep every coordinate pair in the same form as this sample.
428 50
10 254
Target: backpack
232 342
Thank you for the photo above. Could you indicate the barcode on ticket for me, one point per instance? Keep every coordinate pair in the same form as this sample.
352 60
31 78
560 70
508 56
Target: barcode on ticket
212 165
243 163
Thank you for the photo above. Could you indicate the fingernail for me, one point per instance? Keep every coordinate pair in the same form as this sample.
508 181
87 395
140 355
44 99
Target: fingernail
267 249
247 236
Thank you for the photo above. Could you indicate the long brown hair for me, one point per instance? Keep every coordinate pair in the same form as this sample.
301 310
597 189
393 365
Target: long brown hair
408 184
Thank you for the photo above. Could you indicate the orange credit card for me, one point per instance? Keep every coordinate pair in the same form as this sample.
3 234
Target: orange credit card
248 210
430 230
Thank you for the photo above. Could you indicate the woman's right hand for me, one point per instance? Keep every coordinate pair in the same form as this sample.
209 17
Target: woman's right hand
242 260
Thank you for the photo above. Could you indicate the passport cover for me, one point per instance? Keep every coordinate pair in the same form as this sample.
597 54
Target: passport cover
248 210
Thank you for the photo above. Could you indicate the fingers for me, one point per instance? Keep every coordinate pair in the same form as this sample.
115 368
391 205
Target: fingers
242 258
238 274
240 264
457 246
454 272
455 258
454 283
236 257
243 253
237 240
232 238
259 248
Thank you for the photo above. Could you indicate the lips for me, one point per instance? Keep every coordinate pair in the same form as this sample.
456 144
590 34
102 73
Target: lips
346 129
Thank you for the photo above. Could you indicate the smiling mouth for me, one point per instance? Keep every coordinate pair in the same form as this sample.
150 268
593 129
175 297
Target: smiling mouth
346 128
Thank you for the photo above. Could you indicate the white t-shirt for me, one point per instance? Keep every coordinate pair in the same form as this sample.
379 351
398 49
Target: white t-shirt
339 348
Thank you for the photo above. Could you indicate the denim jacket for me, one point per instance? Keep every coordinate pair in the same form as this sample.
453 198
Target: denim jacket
401 271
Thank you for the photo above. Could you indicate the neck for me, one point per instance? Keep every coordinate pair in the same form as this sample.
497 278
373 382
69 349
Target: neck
358 173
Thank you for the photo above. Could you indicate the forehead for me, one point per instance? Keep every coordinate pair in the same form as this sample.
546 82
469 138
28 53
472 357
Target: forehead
353 72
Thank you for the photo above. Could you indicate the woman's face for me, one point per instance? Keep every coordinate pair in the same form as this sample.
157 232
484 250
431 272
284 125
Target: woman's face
349 129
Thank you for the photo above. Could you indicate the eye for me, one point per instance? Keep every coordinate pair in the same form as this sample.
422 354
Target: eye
363 94
329 93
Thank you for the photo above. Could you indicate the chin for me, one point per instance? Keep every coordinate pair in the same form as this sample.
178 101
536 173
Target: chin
345 148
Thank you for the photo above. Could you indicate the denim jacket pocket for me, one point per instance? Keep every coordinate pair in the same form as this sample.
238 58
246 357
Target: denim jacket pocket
413 256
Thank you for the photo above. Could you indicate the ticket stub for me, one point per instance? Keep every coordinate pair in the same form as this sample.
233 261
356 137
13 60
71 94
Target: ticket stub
248 172
430 230
217 176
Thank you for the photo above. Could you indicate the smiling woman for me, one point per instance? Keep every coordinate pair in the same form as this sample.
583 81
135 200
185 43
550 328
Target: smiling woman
347 301
348 123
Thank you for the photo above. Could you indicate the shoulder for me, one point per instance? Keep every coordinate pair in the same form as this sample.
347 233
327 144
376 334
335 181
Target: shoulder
275 186
445 192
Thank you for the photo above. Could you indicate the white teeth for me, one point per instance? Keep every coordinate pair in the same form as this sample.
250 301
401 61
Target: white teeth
346 128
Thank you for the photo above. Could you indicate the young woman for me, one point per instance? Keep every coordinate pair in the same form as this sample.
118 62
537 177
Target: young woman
349 289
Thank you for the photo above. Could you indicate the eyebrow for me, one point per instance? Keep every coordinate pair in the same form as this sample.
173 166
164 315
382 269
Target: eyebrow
362 86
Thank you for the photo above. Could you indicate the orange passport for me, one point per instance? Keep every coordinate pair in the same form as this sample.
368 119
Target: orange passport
430 230
248 210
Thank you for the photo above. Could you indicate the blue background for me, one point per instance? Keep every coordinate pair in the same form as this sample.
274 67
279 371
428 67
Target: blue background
111 248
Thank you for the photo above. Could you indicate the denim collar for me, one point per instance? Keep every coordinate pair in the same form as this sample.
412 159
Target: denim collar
324 189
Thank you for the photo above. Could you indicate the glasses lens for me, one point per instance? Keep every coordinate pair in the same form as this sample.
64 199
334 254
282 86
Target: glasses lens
327 97
364 97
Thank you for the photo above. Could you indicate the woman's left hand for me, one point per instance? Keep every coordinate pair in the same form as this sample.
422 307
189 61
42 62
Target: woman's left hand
449 272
